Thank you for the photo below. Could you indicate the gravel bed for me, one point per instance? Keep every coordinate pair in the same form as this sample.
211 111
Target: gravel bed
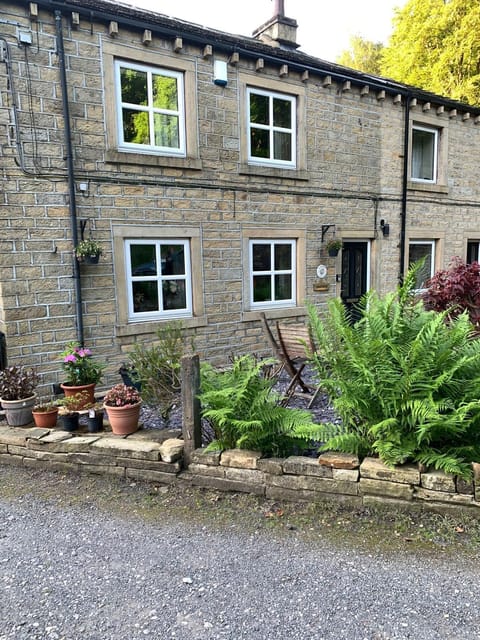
71 571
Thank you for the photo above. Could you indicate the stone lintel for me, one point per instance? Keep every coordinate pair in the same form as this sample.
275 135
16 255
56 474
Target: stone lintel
211 458
404 474
386 488
438 481
129 448
271 465
301 465
339 460
240 458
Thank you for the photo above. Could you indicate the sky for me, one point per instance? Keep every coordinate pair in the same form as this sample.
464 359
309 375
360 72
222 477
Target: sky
324 26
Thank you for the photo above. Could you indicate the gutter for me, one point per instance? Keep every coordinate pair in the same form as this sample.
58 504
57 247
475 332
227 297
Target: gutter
72 203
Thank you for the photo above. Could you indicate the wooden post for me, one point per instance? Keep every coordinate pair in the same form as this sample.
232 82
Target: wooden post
191 425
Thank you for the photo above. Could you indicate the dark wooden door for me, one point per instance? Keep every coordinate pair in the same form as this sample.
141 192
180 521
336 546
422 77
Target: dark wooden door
354 275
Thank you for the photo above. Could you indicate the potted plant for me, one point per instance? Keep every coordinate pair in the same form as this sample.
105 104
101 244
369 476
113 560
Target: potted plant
94 417
333 247
69 408
17 394
82 372
88 251
122 404
45 414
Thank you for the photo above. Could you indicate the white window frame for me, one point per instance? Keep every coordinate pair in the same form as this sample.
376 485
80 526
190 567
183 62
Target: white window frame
179 151
160 314
432 244
271 161
436 133
268 304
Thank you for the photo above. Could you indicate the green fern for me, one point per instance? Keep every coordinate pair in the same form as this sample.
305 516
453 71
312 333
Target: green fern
245 413
405 382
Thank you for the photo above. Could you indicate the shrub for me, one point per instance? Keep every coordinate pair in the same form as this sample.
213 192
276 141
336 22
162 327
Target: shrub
456 289
157 367
244 413
17 382
405 383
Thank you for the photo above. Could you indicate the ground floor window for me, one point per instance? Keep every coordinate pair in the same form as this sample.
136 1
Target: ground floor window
272 272
159 279
473 251
422 250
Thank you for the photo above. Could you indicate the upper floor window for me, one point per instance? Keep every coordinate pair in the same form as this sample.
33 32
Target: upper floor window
424 154
473 251
272 273
159 282
422 250
271 128
150 109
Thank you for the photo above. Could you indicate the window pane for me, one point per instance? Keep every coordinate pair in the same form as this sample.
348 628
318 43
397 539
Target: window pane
166 131
135 126
417 252
134 86
282 145
262 288
283 287
174 294
261 257
145 297
165 94
173 259
283 257
143 260
260 143
259 109
282 113
423 155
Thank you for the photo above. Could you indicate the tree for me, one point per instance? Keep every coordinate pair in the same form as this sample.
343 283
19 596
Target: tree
435 45
363 55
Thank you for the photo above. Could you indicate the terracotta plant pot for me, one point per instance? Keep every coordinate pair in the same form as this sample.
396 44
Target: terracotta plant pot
70 390
45 419
123 420
19 412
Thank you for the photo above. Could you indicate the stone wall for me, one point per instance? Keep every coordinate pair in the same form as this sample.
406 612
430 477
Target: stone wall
152 455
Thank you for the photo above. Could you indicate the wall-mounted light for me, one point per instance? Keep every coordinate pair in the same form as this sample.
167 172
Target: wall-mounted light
385 227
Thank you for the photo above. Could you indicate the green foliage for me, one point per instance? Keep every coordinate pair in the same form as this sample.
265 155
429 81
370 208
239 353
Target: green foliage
405 383
244 412
363 55
435 45
157 366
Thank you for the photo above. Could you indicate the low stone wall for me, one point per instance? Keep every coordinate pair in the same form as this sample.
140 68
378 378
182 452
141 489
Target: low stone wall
335 476
154 455
149 454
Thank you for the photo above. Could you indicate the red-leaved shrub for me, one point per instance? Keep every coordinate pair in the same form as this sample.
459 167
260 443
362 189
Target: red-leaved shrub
456 289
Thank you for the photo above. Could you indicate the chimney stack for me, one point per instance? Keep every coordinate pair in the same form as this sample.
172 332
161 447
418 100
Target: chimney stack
279 31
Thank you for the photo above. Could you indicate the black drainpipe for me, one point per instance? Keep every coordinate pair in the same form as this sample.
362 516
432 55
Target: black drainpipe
403 214
71 175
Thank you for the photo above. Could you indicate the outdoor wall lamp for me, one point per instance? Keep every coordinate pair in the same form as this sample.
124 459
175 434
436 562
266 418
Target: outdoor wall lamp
385 227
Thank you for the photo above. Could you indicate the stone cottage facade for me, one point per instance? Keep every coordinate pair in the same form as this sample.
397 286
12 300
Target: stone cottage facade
213 170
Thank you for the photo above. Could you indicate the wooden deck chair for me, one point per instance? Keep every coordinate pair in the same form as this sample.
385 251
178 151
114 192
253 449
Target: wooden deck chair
294 340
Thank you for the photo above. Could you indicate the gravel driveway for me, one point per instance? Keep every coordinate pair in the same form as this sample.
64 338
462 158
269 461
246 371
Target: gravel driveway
72 569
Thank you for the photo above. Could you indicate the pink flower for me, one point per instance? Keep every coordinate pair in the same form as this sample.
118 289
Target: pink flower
70 358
